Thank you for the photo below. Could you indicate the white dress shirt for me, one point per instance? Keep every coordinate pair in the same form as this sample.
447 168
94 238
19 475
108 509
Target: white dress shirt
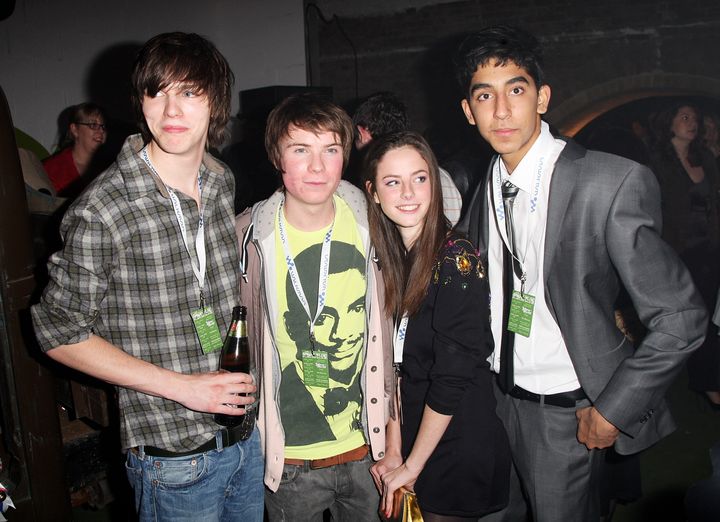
541 361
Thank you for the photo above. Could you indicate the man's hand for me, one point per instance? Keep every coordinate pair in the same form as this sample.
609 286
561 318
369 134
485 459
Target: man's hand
594 430
214 392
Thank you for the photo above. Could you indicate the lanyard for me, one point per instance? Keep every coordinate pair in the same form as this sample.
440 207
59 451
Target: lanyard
500 214
199 271
295 277
399 341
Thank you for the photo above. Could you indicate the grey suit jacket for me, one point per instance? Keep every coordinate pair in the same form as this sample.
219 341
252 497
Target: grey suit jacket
603 230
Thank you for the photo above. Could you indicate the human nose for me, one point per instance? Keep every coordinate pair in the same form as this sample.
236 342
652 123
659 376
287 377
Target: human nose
316 163
502 108
407 191
172 106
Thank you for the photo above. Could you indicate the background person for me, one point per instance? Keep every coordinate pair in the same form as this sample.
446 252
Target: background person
689 183
85 134
382 113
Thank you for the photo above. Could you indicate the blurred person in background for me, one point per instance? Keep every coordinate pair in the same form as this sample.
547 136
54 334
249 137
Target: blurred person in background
84 135
688 177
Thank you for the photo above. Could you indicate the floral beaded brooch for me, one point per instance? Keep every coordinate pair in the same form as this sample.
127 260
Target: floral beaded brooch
461 254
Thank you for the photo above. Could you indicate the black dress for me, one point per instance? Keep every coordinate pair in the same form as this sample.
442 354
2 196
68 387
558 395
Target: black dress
444 366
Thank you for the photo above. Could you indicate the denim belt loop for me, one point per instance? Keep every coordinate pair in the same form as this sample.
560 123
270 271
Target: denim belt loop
219 440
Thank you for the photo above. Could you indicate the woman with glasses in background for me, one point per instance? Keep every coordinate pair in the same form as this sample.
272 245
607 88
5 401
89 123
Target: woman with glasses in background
84 135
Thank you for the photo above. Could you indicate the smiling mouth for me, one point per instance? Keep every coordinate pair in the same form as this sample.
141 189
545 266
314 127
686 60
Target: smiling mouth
408 208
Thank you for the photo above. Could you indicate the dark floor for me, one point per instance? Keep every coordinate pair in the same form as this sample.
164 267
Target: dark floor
667 468
677 461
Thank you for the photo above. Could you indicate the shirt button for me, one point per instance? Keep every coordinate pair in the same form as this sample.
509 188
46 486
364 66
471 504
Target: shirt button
376 430
381 454
373 401
373 368
374 338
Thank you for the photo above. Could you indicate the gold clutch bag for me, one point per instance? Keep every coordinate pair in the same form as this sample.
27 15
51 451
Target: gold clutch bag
405 507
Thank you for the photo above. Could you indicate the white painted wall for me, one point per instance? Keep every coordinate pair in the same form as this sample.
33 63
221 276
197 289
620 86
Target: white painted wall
55 53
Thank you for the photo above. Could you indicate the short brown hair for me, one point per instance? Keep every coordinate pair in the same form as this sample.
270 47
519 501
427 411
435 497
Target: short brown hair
188 59
311 112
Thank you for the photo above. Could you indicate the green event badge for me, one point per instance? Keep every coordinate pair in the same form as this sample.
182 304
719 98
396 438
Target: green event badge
207 329
315 368
521 313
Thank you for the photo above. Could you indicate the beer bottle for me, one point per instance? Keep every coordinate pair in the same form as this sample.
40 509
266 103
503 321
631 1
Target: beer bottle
235 357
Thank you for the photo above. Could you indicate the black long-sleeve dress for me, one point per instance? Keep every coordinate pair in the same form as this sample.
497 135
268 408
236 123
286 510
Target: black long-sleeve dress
444 366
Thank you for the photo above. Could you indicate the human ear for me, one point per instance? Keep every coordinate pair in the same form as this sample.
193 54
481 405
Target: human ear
369 188
543 99
468 113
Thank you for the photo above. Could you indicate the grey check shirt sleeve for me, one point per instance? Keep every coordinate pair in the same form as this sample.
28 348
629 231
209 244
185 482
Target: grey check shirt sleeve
78 278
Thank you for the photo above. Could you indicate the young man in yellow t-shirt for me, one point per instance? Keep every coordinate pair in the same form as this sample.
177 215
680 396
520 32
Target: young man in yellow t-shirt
315 321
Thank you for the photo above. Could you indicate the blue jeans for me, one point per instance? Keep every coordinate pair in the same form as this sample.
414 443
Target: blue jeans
346 489
225 484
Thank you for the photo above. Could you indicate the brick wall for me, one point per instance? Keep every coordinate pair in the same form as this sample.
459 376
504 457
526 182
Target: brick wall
598 54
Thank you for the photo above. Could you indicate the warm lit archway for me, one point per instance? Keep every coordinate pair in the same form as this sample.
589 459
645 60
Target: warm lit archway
574 113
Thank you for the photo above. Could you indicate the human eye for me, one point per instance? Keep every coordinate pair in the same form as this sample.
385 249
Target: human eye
421 178
483 96
333 149
390 182
517 90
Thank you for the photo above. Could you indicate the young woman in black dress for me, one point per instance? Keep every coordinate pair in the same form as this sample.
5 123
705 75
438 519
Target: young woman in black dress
447 443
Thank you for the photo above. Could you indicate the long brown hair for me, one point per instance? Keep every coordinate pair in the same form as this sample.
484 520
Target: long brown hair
406 274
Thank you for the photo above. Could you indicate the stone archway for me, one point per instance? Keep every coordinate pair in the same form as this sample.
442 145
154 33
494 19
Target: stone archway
574 113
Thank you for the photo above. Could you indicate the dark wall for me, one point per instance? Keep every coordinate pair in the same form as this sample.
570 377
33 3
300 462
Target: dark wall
598 54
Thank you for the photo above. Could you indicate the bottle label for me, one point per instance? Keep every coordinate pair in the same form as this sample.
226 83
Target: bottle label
207 329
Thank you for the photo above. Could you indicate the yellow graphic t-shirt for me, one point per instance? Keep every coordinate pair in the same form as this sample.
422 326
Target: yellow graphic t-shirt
321 420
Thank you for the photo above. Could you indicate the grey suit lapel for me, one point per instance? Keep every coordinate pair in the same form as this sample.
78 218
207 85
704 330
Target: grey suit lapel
562 185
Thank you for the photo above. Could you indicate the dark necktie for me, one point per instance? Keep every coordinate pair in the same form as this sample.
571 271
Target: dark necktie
506 378
509 191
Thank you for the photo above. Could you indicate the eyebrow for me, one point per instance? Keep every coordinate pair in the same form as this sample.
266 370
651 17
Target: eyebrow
299 144
517 79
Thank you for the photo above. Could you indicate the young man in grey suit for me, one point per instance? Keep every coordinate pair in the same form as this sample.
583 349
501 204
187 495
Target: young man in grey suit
560 239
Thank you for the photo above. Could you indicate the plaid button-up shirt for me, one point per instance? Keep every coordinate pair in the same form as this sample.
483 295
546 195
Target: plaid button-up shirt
125 275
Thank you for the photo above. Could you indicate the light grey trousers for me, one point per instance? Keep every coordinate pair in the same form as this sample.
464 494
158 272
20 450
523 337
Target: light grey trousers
553 475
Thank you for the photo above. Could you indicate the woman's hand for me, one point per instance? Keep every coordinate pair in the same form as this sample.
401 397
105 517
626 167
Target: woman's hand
388 463
403 475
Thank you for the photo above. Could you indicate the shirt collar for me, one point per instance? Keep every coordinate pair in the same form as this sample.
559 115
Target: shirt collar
140 181
523 175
